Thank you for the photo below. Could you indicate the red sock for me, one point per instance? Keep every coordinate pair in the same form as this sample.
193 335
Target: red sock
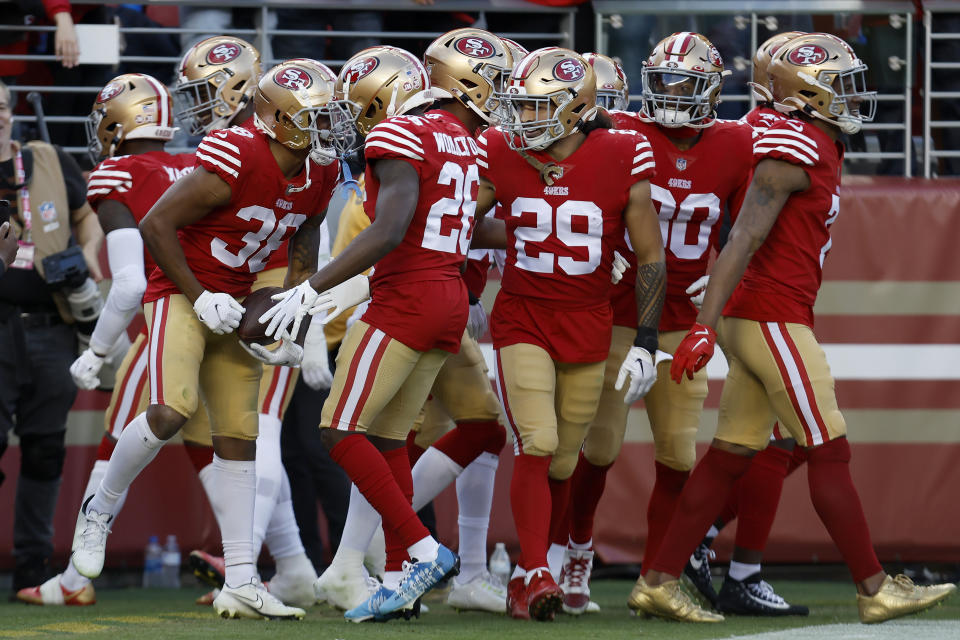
759 490
530 503
105 450
586 489
730 509
469 439
663 500
559 507
838 505
400 467
798 458
414 451
200 455
368 469
701 500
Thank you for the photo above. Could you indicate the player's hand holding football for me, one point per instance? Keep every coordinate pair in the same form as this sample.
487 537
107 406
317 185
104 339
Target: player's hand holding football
338 299
292 305
477 321
315 367
640 366
694 352
85 370
219 311
287 354
697 291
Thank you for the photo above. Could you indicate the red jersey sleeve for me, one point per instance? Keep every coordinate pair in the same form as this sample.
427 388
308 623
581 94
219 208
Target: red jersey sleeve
220 152
395 138
786 141
109 180
643 166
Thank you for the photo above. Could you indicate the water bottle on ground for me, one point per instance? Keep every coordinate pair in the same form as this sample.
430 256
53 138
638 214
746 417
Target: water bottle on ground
500 563
153 564
171 563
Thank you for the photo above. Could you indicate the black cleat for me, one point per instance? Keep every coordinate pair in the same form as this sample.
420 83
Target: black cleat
697 572
755 597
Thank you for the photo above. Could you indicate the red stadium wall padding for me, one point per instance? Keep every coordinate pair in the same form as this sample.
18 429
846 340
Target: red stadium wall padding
908 494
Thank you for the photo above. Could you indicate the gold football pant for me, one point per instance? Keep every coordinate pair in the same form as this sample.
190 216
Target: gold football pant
380 384
549 405
778 372
189 363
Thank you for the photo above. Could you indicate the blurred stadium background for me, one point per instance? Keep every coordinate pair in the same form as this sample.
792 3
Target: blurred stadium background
888 313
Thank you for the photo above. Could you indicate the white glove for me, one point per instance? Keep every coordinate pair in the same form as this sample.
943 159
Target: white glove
477 321
697 290
219 311
292 305
357 313
338 299
641 367
288 354
620 265
84 370
315 367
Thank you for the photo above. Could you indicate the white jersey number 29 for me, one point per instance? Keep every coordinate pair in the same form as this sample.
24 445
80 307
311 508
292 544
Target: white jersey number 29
544 262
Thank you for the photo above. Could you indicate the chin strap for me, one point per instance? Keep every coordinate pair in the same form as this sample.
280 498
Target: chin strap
306 183
550 172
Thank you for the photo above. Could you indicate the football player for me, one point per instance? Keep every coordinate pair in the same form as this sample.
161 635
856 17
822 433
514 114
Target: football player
568 186
252 189
421 180
131 121
764 114
760 298
215 84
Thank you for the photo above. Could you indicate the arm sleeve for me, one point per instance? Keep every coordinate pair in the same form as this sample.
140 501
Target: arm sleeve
221 154
125 254
73 178
642 165
784 142
53 7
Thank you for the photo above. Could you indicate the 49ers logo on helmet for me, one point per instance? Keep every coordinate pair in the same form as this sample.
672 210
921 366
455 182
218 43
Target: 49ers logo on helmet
293 78
223 53
568 70
361 68
475 47
808 54
715 58
110 91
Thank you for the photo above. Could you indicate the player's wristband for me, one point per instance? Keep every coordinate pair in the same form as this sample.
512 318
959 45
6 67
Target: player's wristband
473 299
647 338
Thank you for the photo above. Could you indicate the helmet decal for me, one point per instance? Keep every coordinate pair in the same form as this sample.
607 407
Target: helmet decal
293 78
808 54
361 68
111 91
475 47
568 70
223 53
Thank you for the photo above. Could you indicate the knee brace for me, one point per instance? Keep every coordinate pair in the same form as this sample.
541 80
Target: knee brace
41 456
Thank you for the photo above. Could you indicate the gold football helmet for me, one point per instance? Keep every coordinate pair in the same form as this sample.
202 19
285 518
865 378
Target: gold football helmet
292 106
517 51
552 90
613 92
216 78
682 80
761 60
376 83
130 107
469 65
819 74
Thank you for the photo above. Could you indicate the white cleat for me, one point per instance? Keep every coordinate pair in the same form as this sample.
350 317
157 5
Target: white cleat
295 588
592 607
252 600
342 588
484 592
575 580
90 542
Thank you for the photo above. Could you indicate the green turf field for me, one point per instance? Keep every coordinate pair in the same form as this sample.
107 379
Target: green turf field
169 614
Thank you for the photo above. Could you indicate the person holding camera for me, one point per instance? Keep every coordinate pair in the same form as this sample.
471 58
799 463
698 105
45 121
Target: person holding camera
48 296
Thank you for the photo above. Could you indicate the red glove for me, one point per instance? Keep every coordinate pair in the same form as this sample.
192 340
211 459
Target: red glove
694 352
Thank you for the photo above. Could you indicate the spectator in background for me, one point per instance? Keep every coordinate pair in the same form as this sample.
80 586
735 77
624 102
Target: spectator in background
41 306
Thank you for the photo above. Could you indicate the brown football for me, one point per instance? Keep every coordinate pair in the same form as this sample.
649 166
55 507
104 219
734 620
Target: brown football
256 304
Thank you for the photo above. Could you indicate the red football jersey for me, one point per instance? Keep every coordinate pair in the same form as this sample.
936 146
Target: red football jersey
479 262
555 291
762 117
784 275
691 191
439 147
137 182
227 247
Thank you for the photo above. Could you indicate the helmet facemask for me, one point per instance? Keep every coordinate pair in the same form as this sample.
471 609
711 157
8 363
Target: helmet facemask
611 100
533 122
675 97
94 144
316 123
199 109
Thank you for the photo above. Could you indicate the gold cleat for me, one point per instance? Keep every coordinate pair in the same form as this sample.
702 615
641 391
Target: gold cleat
898 597
668 601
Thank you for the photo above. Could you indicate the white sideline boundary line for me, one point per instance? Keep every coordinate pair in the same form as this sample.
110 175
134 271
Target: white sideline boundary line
895 630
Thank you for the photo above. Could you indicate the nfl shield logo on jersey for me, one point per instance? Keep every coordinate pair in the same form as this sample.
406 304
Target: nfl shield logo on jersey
681 164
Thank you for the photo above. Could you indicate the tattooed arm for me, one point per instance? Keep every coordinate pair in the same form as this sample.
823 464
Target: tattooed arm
304 245
773 182
644 229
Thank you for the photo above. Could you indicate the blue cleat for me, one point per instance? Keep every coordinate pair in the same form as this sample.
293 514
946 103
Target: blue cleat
420 577
369 608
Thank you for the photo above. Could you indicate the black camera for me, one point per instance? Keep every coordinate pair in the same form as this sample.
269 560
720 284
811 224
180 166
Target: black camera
5 211
65 269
